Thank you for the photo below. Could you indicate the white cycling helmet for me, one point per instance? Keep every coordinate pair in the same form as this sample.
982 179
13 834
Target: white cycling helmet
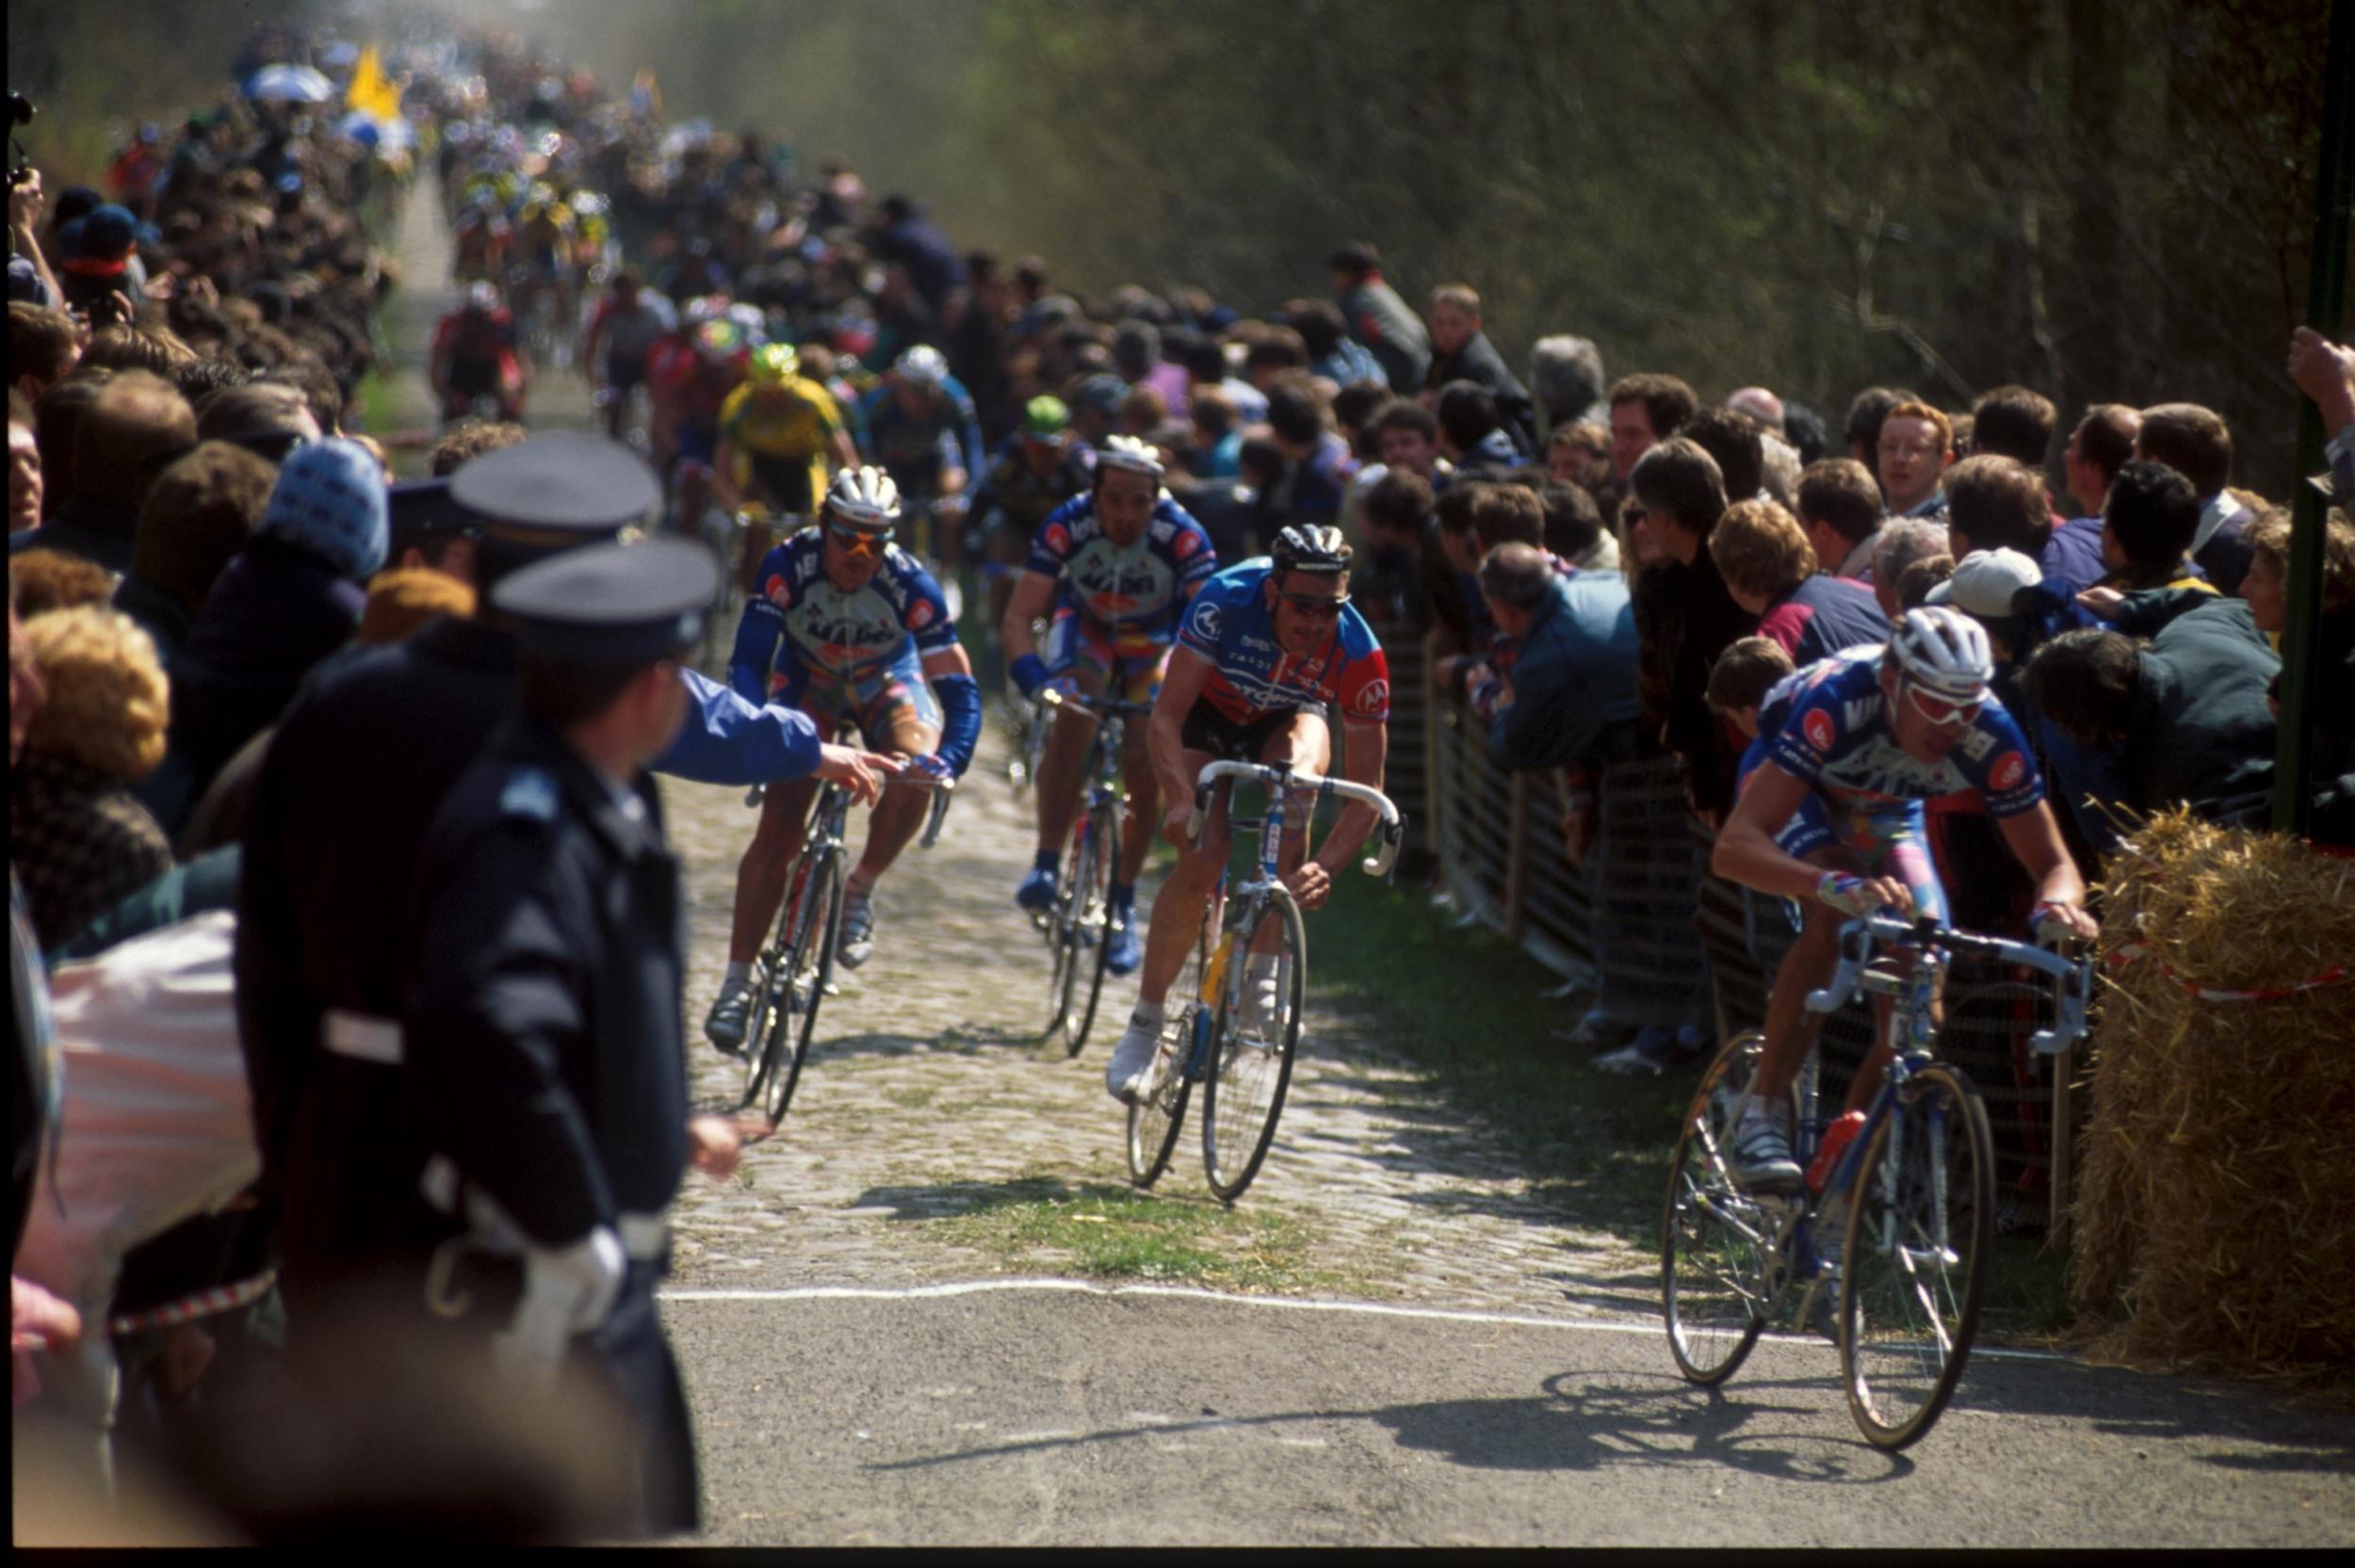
1943 650
1129 455
863 498
924 366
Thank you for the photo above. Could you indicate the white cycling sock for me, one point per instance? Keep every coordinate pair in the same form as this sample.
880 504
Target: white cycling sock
1261 967
1148 1012
737 973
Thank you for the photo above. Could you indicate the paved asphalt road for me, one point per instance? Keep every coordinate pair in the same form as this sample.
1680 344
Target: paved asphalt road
980 1411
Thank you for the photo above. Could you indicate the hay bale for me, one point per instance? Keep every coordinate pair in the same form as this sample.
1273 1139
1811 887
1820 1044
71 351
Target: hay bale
2211 1218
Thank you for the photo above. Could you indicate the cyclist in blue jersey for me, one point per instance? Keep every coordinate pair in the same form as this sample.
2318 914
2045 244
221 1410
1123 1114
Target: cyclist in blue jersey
921 430
1267 646
1831 814
849 629
1113 572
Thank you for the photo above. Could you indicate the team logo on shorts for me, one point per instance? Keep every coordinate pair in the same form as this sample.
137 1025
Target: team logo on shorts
2009 770
1205 621
1818 726
1373 697
776 593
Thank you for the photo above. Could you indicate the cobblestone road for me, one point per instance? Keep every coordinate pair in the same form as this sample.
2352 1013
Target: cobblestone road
926 1096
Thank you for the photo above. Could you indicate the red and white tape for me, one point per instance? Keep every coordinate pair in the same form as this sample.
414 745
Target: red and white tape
187 1309
2337 974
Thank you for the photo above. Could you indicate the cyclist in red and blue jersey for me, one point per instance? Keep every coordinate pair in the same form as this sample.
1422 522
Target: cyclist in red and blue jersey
1267 646
849 629
1831 814
1113 572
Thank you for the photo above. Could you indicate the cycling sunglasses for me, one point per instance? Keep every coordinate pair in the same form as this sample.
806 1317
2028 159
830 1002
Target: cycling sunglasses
1943 711
1321 605
861 543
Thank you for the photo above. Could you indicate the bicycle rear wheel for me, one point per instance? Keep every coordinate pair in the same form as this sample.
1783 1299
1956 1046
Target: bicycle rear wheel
816 924
1252 1049
1920 1224
1712 1262
1073 889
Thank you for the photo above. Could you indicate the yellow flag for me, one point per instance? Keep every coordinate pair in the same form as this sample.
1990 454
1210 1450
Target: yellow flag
369 91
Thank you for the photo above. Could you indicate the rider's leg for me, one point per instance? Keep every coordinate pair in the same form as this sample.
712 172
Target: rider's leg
760 876
1905 856
901 812
1059 769
1144 815
1178 908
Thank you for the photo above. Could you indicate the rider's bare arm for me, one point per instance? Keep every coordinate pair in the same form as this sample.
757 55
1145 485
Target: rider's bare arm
1165 734
2034 838
1368 745
1746 852
1033 593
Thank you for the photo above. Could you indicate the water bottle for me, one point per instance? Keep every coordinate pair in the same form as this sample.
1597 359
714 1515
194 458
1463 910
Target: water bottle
1836 1140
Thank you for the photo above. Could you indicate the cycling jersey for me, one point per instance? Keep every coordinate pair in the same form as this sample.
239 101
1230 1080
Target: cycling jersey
1024 496
1835 737
1137 592
805 640
765 425
1233 627
915 449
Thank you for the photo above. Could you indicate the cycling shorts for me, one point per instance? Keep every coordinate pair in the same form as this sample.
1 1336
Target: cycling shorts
1080 644
893 710
791 483
1208 730
1892 842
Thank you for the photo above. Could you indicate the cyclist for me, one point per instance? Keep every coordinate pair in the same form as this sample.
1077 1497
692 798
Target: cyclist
1037 470
1830 813
628 320
847 628
482 238
474 356
1265 647
776 433
921 430
687 393
1116 568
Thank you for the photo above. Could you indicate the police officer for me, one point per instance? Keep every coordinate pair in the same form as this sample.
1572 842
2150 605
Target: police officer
359 762
546 1067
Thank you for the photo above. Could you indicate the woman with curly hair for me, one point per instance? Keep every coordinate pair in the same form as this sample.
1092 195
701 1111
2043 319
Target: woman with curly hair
78 839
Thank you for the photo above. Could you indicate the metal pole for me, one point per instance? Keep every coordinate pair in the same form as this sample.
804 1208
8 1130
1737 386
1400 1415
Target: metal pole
2326 311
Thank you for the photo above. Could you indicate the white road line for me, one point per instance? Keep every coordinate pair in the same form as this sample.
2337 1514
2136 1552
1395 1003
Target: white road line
1376 1309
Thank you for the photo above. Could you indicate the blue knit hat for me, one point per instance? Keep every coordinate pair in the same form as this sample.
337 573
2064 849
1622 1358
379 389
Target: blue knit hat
330 500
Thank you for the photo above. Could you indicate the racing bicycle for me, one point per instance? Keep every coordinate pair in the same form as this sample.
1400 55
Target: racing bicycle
1077 925
794 973
1895 1237
1237 1044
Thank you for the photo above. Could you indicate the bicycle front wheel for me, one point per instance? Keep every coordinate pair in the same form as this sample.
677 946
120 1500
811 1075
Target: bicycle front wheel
1154 1121
1920 1224
1257 1032
813 927
1074 888
1713 1247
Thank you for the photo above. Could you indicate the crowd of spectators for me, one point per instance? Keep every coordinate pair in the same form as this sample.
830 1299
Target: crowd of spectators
1612 572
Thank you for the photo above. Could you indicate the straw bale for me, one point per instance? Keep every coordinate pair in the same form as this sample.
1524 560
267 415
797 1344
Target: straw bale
2212 1220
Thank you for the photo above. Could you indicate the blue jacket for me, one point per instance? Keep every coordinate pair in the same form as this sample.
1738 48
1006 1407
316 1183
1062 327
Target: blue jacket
1575 674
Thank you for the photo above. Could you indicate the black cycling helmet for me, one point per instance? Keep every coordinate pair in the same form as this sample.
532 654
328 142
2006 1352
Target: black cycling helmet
1309 547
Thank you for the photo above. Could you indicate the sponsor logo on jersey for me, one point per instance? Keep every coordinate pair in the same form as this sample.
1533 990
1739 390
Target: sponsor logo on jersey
1373 697
1187 545
1206 623
1857 712
919 615
1058 538
777 594
2009 770
1817 727
1977 743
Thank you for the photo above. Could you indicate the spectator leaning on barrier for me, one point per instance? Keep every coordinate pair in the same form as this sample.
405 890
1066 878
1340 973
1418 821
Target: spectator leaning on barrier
1901 545
2098 449
1769 569
2013 421
2194 443
1839 507
2148 524
1995 503
1683 496
2186 710
1862 427
1996 587
1570 696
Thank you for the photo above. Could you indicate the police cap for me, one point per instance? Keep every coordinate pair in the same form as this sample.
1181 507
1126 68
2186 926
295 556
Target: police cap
557 489
611 604
423 511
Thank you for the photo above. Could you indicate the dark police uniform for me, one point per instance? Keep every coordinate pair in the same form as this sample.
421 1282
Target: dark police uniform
546 1067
